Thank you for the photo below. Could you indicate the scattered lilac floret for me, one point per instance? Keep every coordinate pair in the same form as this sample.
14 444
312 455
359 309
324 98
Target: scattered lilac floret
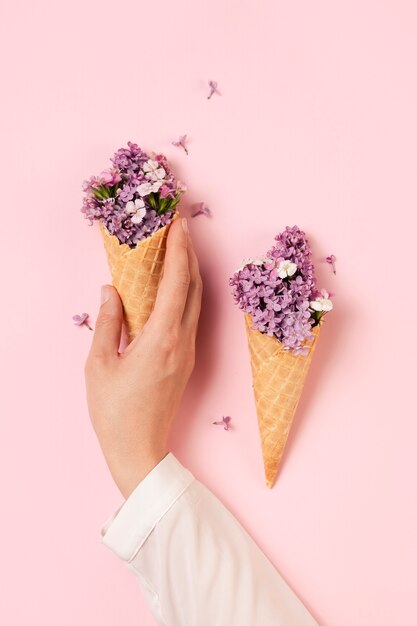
213 89
200 208
225 422
181 143
331 260
81 320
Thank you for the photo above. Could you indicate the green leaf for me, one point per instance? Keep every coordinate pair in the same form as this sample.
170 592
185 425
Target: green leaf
152 200
105 191
173 202
113 190
99 193
162 206
316 316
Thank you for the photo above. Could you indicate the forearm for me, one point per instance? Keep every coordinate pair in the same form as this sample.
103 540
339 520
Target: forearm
194 562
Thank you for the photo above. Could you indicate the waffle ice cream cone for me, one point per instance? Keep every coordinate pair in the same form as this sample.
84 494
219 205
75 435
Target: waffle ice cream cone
136 273
278 379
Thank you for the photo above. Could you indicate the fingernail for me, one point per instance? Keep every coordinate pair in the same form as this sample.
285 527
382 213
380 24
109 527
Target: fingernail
105 293
185 225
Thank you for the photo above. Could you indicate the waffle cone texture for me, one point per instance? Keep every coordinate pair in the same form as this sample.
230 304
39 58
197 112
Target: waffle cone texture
278 380
136 274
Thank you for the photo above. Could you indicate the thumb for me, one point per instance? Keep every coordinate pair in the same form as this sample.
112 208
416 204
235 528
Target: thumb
108 329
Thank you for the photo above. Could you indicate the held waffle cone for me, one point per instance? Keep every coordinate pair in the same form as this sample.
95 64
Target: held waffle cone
136 273
278 379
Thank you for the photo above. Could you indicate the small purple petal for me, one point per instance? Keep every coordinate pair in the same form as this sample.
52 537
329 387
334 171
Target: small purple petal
200 208
213 89
81 320
225 422
181 143
331 260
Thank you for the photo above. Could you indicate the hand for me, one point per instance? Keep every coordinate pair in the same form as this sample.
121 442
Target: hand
133 395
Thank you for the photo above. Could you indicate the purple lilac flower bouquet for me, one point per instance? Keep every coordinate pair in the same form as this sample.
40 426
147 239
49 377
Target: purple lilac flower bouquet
135 197
134 201
279 292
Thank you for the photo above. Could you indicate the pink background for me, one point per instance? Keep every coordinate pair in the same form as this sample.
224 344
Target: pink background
316 126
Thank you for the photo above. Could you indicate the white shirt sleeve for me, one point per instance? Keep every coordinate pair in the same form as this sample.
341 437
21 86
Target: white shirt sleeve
195 563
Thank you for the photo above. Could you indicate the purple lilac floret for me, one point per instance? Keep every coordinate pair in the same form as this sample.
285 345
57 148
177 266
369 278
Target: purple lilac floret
279 291
225 422
133 198
181 143
213 89
331 260
82 320
200 208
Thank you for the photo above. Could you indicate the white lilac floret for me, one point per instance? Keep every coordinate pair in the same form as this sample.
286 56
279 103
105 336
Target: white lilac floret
322 302
286 269
133 198
280 292
259 261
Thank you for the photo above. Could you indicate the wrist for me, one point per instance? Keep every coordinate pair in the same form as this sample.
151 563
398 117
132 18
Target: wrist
128 477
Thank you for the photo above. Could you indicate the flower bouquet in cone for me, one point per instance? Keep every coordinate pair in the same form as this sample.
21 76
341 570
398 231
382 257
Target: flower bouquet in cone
283 314
134 202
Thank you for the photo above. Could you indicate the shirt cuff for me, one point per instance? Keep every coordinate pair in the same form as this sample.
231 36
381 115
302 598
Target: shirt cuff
127 530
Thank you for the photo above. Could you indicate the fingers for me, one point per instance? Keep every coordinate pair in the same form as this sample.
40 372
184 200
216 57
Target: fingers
193 304
108 329
173 289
